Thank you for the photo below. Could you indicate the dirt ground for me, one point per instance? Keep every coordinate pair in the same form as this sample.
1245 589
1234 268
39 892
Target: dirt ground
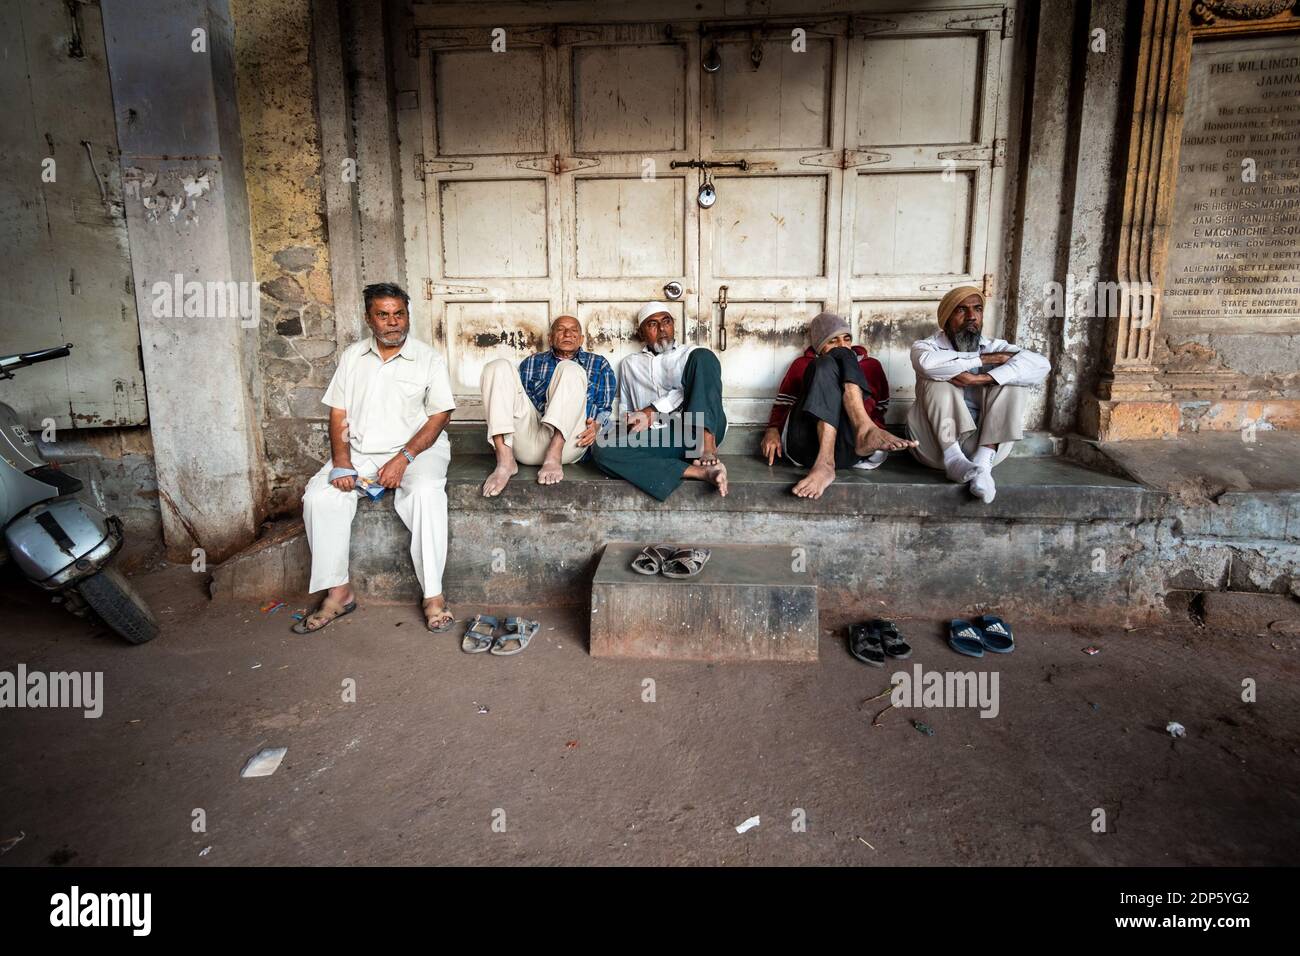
561 751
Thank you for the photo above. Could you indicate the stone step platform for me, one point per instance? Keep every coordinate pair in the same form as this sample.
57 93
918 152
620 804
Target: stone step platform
748 603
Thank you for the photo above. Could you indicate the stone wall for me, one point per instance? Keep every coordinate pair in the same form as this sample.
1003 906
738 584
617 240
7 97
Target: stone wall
282 160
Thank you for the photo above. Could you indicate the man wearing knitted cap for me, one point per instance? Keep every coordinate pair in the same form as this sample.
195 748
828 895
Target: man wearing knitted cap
970 394
829 410
671 402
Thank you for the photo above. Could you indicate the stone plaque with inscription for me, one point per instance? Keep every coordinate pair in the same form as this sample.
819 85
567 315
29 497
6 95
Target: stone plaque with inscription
1234 241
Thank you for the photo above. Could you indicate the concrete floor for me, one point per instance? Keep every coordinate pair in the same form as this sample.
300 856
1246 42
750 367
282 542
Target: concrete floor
586 772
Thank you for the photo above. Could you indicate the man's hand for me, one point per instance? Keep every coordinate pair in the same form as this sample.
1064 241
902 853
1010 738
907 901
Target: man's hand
962 379
996 358
770 446
640 421
390 476
588 434
346 483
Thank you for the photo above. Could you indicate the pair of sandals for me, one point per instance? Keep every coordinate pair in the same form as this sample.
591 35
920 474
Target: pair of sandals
872 641
671 561
481 635
443 615
984 633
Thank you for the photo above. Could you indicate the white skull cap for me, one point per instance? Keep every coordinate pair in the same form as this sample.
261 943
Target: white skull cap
649 309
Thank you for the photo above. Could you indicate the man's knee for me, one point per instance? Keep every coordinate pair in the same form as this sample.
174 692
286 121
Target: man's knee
320 493
702 360
568 372
495 369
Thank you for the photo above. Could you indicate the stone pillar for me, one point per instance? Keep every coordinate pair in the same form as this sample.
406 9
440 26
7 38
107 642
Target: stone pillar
1128 401
172 73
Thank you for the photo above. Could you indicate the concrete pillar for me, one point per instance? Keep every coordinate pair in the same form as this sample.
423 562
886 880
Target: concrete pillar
1103 118
1045 184
172 71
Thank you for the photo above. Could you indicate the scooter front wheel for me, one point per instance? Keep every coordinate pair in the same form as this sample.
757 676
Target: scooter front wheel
117 604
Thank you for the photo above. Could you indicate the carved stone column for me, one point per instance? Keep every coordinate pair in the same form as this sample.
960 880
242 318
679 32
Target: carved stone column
1129 403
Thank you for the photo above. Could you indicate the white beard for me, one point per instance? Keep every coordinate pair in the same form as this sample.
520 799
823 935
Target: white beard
662 346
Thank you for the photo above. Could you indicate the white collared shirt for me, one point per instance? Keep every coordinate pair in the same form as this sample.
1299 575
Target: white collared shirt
935 358
386 403
646 379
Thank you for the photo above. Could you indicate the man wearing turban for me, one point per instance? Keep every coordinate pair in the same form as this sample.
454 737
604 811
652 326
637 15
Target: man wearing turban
970 394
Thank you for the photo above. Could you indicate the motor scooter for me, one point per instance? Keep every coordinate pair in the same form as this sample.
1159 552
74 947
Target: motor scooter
61 543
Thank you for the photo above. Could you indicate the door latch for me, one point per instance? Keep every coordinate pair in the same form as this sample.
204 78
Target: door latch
722 318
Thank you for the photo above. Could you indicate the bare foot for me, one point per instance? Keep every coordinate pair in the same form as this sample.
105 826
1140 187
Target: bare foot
817 480
499 478
717 476
708 451
878 439
437 616
550 474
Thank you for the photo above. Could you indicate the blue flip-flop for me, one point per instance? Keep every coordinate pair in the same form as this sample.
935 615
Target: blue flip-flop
995 633
964 638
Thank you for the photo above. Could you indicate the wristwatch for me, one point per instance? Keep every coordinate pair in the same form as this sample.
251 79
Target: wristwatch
409 457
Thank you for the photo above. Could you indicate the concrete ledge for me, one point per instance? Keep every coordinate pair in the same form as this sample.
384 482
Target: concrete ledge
1060 539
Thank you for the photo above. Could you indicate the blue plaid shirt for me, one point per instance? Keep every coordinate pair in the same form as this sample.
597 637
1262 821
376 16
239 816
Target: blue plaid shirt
536 371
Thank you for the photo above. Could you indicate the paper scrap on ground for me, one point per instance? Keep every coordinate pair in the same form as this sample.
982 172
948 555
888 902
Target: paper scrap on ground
1176 729
747 825
264 763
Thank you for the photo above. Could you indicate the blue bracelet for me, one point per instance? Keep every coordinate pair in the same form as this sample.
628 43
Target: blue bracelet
337 473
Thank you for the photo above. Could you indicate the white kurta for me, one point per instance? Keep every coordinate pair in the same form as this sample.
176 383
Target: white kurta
385 404
646 379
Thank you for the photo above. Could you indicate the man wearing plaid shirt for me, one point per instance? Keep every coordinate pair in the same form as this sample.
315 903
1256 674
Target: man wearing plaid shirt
550 411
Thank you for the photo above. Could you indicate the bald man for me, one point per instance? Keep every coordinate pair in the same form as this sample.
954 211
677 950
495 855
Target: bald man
970 394
548 412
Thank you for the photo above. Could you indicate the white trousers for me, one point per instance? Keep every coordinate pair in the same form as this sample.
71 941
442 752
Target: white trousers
421 503
510 412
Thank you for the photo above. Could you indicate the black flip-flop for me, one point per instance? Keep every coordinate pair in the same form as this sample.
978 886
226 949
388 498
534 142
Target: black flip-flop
865 644
995 634
964 638
892 641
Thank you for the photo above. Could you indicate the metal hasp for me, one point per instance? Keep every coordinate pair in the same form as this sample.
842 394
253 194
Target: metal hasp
722 318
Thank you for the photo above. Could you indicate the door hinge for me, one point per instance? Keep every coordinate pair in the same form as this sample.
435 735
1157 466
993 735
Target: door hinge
431 167
843 158
558 164
987 285
995 154
432 288
864 26
1003 22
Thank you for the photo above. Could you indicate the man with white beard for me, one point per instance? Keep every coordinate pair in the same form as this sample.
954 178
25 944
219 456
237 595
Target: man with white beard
970 394
671 402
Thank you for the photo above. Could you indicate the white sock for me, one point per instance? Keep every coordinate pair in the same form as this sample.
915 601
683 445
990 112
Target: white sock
982 486
958 467
983 458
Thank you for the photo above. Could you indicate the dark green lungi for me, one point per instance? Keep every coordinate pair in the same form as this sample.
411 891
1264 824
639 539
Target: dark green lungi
658 469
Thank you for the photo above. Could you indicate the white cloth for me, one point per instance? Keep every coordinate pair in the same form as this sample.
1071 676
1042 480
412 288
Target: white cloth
421 503
388 402
645 379
936 359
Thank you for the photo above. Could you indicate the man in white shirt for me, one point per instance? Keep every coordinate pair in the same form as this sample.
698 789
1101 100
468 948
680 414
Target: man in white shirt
970 394
390 401
670 396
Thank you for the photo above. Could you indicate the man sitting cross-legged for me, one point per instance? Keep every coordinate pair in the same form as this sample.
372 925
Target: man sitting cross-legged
824 409
550 411
970 394
676 391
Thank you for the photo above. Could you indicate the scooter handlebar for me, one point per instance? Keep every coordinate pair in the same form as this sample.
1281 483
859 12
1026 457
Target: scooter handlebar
24 359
